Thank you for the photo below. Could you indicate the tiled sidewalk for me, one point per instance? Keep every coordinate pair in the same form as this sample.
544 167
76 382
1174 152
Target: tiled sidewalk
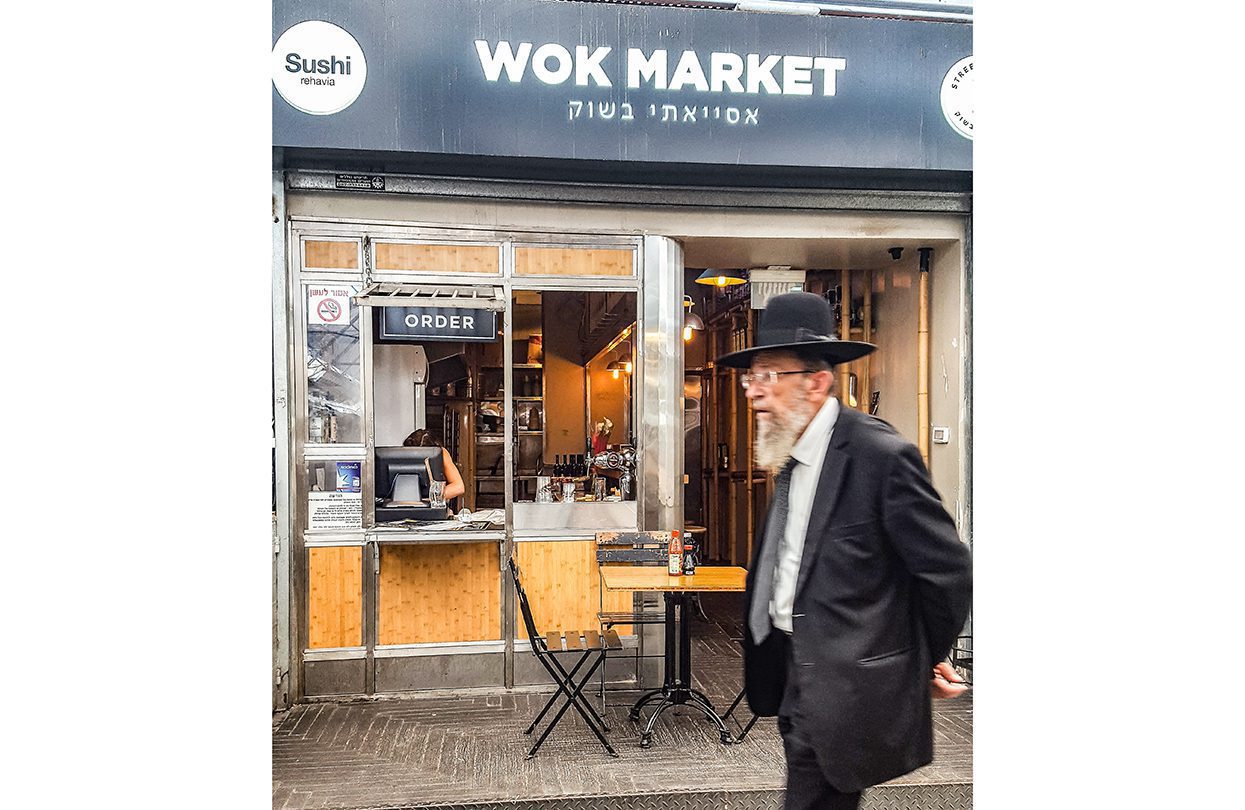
468 751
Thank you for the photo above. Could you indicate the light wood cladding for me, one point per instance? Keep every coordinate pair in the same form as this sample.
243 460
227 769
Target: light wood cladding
563 585
531 261
439 593
331 255
437 258
334 597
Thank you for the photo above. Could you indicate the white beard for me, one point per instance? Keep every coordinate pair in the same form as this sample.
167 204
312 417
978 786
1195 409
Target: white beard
776 436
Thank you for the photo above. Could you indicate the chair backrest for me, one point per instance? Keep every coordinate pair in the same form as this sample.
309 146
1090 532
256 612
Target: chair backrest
526 609
633 548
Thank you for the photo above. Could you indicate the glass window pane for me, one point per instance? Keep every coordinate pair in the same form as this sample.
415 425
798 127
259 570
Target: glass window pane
334 376
573 402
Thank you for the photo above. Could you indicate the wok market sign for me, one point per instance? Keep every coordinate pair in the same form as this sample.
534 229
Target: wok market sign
627 83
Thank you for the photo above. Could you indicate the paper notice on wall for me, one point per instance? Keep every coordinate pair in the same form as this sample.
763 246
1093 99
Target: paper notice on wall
328 306
334 510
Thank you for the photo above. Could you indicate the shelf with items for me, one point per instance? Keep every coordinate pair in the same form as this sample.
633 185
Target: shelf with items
528 433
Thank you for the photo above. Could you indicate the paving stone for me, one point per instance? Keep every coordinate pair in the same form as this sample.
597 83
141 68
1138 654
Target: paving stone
468 751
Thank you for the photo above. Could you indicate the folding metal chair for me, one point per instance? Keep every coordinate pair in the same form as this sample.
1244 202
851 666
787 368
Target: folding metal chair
593 646
744 733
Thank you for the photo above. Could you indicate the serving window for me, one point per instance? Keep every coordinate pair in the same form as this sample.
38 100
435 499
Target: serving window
509 363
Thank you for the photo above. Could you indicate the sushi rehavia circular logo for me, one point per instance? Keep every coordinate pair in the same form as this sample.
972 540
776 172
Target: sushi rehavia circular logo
318 67
957 97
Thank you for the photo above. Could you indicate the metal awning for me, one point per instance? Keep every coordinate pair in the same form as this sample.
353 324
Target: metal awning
395 294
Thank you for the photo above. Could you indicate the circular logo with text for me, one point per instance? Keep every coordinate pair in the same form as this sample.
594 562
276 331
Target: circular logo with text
318 67
957 97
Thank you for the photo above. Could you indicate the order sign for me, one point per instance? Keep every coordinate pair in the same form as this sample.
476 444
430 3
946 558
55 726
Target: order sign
328 306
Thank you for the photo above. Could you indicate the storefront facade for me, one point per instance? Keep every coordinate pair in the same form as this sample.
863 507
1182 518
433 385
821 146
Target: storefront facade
478 206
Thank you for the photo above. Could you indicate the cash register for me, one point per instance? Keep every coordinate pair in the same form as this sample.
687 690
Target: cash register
402 478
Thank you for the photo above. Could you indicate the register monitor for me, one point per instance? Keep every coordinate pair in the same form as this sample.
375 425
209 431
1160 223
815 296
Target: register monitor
402 483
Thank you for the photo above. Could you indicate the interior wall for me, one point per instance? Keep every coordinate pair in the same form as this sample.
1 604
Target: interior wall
565 424
947 396
605 396
393 392
893 368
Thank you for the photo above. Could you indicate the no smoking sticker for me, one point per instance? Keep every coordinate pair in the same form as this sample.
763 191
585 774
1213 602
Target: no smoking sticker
328 306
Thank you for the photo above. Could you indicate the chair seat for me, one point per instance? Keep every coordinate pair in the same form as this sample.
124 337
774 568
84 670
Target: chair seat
580 640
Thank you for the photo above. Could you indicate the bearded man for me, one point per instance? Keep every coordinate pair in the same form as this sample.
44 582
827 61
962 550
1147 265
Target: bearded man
859 585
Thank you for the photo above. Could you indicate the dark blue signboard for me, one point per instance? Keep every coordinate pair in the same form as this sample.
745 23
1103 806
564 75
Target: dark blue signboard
421 324
615 82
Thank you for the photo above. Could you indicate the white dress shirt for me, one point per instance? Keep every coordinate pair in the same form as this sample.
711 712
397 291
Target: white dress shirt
809 453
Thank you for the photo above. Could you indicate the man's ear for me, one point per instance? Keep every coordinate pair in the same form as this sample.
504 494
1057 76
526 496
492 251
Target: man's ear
829 385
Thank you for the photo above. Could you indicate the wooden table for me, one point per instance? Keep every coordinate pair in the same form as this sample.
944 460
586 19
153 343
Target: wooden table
675 690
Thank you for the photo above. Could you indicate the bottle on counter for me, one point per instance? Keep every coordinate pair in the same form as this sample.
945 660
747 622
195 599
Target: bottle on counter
675 566
689 559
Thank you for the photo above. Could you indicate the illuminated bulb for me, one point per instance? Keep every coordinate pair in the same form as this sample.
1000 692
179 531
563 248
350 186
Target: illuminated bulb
627 368
721 281
615 373
687 334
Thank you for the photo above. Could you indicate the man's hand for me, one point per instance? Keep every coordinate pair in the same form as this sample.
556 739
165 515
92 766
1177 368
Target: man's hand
946 683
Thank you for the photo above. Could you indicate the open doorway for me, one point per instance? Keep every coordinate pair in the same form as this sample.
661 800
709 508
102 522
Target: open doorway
907 302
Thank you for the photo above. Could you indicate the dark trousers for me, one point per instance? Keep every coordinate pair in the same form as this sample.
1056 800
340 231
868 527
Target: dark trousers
807 788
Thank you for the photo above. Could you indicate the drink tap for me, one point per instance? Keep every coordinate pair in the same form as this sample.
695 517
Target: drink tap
623 460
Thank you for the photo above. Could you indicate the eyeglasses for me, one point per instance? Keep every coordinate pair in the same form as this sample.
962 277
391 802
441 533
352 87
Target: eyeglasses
766 378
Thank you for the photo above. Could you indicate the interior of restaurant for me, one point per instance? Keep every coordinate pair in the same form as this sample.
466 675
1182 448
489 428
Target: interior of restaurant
571 371
878 300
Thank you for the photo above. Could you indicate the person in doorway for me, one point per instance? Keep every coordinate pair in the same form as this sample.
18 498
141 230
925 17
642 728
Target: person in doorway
859 584
453 479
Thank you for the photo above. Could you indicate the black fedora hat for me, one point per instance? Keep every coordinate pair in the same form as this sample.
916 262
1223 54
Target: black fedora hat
802 323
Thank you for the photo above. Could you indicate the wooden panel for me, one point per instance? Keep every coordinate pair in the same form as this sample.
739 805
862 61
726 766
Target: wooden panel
647 578
438 258
564 587
442 592
530 261
331 255
335 597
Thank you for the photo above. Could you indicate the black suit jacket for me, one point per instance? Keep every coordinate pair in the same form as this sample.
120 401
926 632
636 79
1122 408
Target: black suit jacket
884 588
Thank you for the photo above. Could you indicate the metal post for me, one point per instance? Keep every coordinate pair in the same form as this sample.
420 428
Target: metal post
283 663
658 381
660 384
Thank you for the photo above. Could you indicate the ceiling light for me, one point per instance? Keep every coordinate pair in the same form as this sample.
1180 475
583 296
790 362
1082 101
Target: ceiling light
691 321
721 278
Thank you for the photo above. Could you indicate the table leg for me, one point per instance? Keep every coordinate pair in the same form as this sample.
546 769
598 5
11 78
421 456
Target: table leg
668 684
678 691
685 646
